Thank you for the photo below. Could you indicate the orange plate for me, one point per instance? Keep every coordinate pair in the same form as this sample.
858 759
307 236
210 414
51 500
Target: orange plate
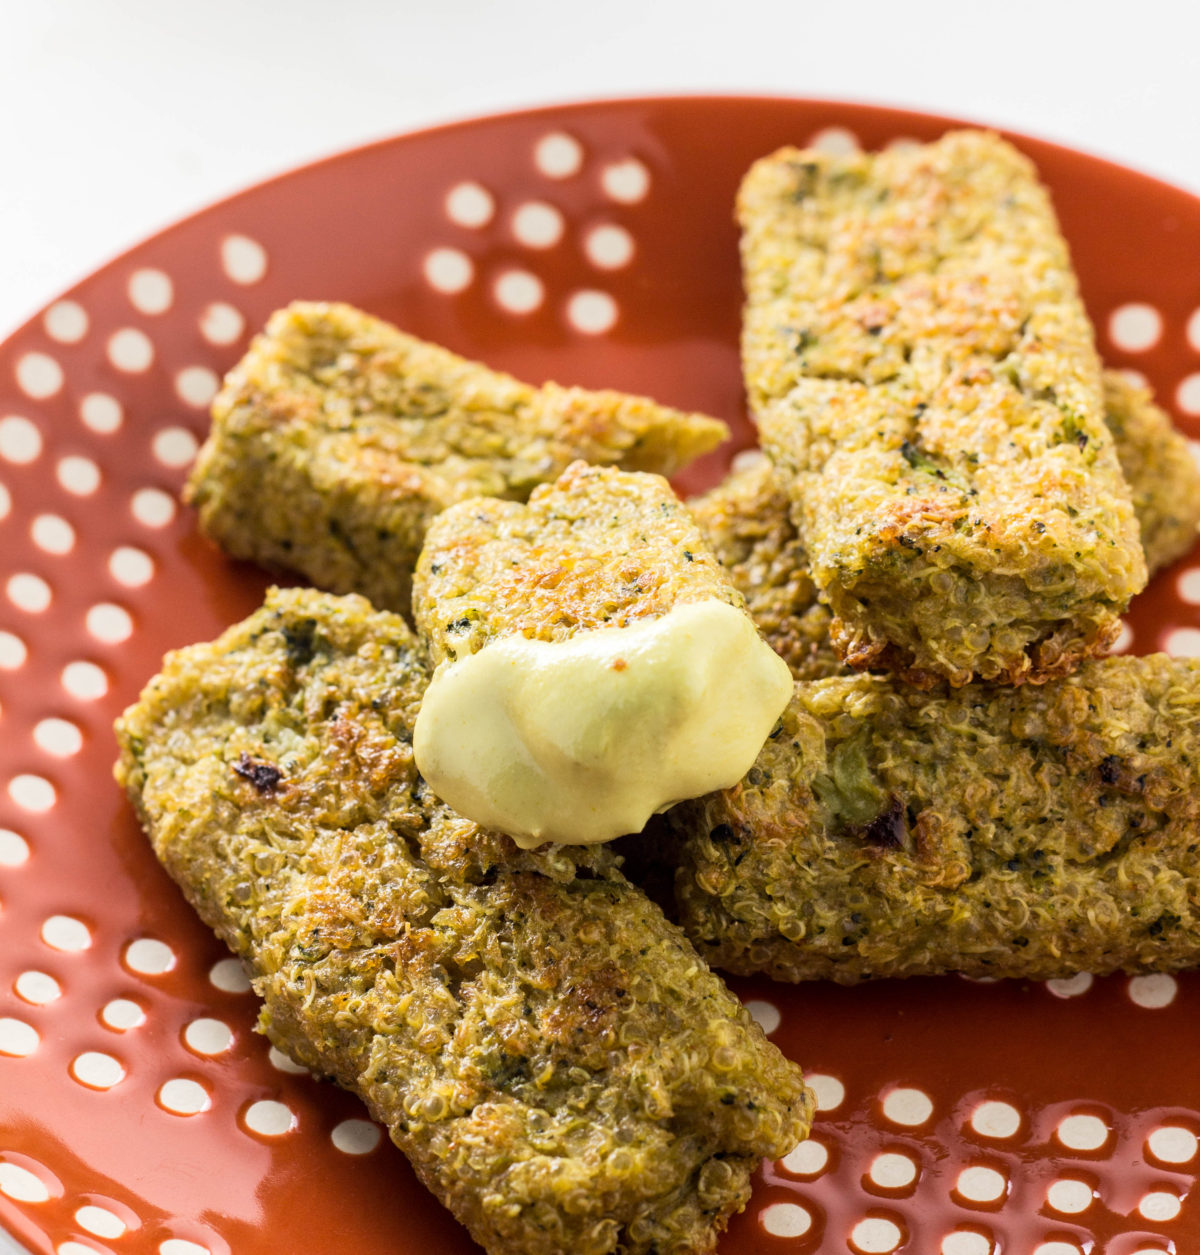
613 224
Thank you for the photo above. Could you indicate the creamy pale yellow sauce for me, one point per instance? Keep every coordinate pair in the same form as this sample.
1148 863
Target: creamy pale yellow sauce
583 740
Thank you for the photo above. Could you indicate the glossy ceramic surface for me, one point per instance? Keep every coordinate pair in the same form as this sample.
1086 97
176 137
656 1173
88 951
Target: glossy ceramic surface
592 244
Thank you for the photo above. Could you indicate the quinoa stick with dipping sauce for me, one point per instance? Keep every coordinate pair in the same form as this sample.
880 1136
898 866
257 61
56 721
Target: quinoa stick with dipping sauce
562 1070
594 662
747 520
924 375
337 438
1030 832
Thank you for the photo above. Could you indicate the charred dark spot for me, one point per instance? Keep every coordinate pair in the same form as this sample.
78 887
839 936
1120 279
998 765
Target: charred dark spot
265 777
687 553
888 831
1110 769
723 832
299 640
1167 920
435 568
459 625
1039 526
1081 440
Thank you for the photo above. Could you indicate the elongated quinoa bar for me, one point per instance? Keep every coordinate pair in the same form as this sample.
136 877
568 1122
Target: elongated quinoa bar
923 373
563 1071
337 438
747 521
996 831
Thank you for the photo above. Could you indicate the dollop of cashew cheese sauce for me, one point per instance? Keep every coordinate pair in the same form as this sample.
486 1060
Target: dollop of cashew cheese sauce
583 740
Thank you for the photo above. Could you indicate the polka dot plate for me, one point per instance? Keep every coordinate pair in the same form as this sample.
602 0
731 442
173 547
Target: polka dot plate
592 244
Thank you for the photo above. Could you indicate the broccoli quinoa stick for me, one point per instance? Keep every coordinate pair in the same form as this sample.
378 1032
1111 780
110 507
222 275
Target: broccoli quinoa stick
922 371
746 520
563 1071
594 662
1025 832
337 438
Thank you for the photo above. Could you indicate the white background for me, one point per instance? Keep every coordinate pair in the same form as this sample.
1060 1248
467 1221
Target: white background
119 116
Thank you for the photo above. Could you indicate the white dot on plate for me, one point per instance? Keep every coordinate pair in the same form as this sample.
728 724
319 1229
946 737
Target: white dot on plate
150 291
180 1246
78 475
1057 1248
17 1039
966 1242
208 1037
74 1248
518 291
269 1118
980 1184
39 375
591 312
97 1070
537 224
785 1220
174 446
1188 586
470 205
183 1097
907 1106
152 507
66 322
221 323
130 350
1083 1132
1124 639
39 988
626 181
1188 394
5 502
1135 327
892 1171
28 592
59 737
12 651
996 1119
122 1014
101 413
765 1014
828 1091
14 849
32 793
131 567
558 155
52 534
244 260
449 270
229 976
196 385
875 1235
149 957
1070 987
807 1159
355 1137
66 933
100 1221
109 623
20 440
1153 991
285 1064
1183 642
1160 1205
1070 1195
1173 1144
609 247
837 141
21 1185
84 680
1193 330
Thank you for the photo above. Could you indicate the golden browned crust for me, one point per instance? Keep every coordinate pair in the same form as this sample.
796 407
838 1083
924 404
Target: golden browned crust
561 1068
338 438
598 548
923 373
1025 832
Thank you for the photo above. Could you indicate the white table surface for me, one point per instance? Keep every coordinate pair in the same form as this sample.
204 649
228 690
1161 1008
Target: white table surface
120 116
